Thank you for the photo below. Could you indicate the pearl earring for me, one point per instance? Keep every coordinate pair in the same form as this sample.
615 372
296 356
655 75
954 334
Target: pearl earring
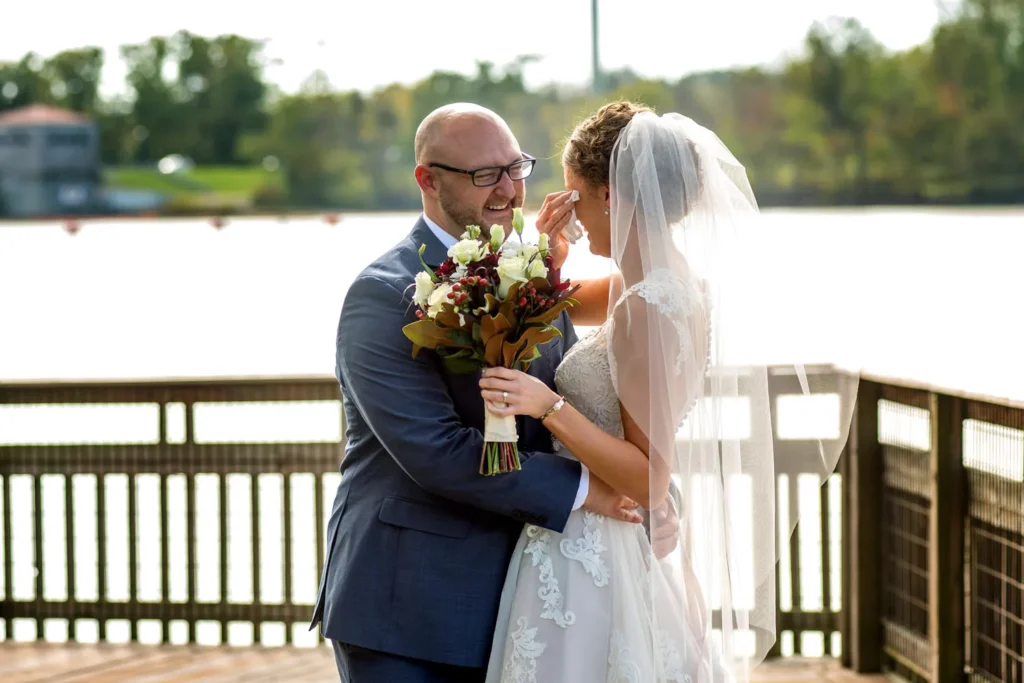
606 212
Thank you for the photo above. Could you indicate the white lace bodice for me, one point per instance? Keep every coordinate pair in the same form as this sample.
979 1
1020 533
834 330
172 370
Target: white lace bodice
584 378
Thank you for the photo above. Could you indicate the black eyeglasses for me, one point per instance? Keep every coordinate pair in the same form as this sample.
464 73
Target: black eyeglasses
491 175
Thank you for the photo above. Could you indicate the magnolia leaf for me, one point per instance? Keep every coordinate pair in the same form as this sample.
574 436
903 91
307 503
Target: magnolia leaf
550 315
426 334
450 319
460 339
492 353
491 305
492 325
534 337
541 284
509 351
462 363
525 363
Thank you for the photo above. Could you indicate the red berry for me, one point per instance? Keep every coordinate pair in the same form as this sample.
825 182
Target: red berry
419 315
451 295
522 301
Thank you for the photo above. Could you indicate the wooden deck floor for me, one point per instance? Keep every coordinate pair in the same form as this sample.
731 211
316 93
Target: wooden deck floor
37 663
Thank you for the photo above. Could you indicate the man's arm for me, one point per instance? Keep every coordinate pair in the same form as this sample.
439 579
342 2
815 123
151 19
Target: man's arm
408 407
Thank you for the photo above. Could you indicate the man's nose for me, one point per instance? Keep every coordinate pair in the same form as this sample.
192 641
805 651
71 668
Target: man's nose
507 185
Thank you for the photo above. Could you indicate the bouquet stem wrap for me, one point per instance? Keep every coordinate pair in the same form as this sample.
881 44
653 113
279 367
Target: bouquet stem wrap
501 450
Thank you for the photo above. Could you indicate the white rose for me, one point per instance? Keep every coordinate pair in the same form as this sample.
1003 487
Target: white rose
438 297
466 251
424 286
510 269
536 269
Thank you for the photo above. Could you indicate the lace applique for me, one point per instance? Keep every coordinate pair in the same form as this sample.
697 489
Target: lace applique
621 667
587 549
539 549
671 660
521 663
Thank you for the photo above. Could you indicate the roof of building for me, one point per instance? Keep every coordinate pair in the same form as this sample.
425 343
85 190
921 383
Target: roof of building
40 114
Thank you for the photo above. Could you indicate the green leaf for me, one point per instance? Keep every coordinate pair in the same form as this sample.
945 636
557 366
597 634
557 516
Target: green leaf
463 362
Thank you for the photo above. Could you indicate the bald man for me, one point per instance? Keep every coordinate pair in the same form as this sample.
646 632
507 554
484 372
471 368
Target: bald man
418 541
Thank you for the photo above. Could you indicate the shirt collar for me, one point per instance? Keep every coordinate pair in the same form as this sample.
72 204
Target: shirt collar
443 237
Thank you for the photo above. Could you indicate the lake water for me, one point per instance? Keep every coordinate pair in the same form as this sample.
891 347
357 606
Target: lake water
931 295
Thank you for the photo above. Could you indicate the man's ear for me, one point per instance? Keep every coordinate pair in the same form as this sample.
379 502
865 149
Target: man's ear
427 181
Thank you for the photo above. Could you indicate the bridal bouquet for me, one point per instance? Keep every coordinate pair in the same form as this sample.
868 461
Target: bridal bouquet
489 305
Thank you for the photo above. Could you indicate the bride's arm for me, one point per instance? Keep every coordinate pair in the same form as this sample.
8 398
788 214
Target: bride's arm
620 463
593 297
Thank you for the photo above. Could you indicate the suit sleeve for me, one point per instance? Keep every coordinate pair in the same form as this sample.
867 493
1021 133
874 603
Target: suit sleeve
407 406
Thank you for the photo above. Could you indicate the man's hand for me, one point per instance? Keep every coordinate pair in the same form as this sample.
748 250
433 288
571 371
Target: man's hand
664 529
602 500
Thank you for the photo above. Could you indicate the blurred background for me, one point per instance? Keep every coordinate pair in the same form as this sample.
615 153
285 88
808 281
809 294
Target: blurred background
831 102
185 197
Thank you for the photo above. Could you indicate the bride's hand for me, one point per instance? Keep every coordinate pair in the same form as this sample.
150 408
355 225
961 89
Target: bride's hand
511 392
552 220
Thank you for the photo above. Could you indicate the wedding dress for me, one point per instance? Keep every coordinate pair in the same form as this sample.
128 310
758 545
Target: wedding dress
576 606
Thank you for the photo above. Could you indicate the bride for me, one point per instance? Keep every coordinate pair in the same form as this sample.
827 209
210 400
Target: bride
648 403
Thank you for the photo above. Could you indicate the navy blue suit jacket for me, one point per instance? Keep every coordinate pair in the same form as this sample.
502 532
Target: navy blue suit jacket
418 542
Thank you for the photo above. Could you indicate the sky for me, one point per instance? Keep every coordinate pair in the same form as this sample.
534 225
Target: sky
365 44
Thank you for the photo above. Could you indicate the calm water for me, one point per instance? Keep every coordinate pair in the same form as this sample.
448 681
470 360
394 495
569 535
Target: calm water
928 295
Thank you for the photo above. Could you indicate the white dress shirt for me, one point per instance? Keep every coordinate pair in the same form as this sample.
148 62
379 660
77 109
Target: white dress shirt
448 241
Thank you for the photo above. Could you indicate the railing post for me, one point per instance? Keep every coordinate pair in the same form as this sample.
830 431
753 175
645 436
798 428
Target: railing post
948 484
864 639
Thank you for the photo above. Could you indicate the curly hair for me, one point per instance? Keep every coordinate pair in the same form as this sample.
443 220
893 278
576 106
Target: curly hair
588 152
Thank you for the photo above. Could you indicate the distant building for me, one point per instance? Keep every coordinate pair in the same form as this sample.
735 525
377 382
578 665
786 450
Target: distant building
49 162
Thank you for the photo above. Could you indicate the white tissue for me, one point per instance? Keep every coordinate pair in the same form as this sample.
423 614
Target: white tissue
573 231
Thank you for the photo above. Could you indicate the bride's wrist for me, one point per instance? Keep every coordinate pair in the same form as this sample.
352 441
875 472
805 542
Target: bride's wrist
556 404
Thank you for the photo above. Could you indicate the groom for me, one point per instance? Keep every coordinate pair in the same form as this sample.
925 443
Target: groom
418 541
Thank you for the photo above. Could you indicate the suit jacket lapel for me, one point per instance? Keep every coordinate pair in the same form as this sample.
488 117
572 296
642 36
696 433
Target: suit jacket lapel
435 252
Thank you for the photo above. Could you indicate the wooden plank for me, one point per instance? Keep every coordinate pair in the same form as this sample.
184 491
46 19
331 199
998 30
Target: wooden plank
866 529
946 541
171 458
846 531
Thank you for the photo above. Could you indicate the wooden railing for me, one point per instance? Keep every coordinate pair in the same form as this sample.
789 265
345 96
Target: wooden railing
194 511
935 530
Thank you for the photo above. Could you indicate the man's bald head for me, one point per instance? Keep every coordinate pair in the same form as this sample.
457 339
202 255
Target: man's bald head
452 141
443 123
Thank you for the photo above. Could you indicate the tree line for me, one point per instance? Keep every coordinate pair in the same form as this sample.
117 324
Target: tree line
847 122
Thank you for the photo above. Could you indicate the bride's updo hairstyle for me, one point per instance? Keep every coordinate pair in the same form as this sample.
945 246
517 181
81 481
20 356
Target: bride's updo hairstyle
589 151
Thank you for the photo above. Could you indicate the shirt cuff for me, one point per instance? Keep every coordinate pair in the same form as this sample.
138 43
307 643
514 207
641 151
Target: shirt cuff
581 494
